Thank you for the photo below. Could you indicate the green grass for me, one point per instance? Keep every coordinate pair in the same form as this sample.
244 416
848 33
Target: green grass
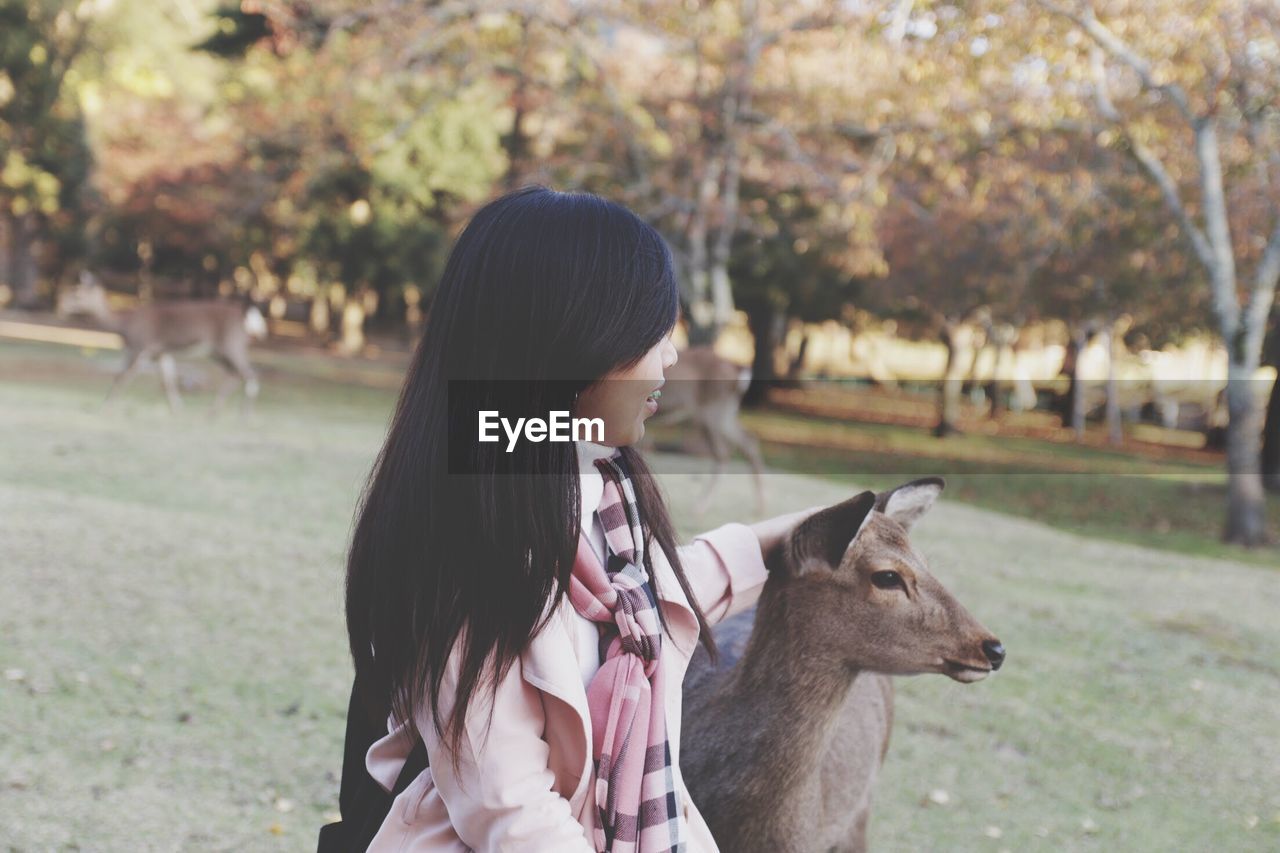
176 674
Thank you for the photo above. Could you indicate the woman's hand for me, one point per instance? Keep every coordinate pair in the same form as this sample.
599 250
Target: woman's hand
772 532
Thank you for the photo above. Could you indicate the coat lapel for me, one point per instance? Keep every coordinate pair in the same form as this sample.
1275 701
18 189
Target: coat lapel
550 663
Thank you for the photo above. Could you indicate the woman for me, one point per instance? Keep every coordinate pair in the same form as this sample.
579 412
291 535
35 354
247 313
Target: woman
523 607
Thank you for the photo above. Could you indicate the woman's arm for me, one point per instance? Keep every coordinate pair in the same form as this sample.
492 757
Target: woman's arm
501 798
726 567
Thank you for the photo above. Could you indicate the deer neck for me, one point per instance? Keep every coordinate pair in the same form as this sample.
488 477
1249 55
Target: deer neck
789 688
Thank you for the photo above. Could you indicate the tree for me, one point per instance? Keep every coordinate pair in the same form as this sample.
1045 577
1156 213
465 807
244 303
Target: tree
1271 427
1201 111
667 107
44 159
784 264
278 157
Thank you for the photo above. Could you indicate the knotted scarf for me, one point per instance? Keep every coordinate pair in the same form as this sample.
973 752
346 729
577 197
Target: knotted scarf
635 786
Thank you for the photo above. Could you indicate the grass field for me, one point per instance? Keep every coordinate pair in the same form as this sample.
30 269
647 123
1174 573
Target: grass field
175 672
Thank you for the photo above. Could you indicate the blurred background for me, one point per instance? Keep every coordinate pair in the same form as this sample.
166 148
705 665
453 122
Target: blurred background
1028 245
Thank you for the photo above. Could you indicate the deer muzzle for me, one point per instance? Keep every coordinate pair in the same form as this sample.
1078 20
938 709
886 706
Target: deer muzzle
994 650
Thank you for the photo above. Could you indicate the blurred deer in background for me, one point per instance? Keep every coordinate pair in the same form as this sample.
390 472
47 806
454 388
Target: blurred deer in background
706 389
160 330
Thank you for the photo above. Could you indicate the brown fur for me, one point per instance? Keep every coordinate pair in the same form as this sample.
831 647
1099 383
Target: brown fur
781 748
158 331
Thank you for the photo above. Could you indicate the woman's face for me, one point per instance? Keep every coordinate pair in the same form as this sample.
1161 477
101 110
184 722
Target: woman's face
622 399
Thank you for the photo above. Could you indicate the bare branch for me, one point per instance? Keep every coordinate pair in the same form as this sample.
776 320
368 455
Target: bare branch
1101 91
63 61
1109 42
1214 201
1268 272
1148 160
1263 294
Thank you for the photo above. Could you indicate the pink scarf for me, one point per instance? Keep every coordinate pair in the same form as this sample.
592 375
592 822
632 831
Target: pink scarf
635 786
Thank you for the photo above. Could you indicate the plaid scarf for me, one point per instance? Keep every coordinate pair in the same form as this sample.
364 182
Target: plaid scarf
635 786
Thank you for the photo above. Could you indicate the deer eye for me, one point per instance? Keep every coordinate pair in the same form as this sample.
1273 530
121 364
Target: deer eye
888 580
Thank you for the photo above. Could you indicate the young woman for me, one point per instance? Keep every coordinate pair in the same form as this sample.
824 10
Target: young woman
523 608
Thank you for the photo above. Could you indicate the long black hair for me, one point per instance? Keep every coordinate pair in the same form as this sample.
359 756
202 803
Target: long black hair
543 294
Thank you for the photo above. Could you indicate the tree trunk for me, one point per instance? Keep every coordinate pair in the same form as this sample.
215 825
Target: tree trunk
762 321
701 317
711 297
797 362
1115 434
737 102
995 398
352 340
971 379
22 262
1246 500
319 317
1077 392
1064 405
1271 427
995 387
516 143
950 387
1271 442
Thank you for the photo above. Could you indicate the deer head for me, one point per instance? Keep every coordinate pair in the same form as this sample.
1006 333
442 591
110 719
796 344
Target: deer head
866 598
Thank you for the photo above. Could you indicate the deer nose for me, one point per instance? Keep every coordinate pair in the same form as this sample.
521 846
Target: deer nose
994 652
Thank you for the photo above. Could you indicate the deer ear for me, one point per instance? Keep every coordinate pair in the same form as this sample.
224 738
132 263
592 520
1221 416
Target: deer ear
908 502
819 542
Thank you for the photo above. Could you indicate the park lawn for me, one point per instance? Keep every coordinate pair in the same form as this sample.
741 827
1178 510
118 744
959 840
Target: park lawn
176 676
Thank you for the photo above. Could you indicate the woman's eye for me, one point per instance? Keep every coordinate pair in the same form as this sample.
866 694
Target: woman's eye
887 580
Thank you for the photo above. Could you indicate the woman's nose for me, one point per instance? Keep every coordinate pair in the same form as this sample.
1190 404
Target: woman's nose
671 356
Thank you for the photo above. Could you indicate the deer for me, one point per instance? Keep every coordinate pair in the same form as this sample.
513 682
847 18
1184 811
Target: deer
158 331
706 389
783 740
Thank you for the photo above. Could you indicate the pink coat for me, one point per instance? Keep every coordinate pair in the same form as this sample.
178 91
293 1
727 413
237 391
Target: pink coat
527 784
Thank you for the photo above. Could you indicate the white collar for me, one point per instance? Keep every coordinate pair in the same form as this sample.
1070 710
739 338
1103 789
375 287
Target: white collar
589 452
592 487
